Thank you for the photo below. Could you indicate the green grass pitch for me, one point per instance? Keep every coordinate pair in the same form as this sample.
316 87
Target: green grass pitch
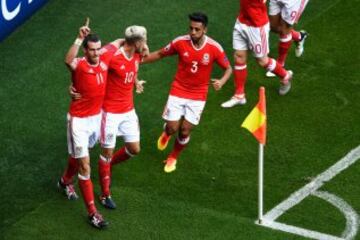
213 192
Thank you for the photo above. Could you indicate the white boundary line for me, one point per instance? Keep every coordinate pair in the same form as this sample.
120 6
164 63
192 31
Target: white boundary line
314 185
302 193
299 231
352 218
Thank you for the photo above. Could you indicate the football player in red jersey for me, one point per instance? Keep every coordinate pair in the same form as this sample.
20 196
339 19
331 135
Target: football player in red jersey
283 15
251 32
89 74
197 53
119 116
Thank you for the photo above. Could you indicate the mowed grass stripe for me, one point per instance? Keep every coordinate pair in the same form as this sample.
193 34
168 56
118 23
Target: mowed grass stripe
139 216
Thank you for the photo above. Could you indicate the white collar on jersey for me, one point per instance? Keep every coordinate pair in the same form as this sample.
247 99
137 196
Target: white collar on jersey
125 55
204 43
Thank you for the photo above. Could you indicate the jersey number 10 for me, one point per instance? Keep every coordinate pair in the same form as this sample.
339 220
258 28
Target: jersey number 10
129 77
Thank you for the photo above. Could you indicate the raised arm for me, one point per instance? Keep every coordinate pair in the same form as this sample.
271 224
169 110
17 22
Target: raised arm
74 49
118 42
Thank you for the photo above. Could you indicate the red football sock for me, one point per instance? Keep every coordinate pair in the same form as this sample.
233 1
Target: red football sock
120 156
104 175
180 144
240 75
284 45
87 192
276 68
296 36
70 171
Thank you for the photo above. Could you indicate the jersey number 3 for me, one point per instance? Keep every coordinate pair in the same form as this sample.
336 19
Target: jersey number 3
194 66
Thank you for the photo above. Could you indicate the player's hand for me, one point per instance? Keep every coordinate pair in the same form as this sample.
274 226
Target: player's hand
139 84
73 93
83 32
217 84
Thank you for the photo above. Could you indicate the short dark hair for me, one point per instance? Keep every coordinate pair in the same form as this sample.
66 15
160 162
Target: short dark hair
90 38
199 17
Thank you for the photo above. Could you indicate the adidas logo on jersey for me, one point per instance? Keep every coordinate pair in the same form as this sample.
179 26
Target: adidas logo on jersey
186 54
122 67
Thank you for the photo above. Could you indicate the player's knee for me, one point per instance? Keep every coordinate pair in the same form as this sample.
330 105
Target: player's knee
284 28
239 57
275 28
263 61
84 168
133 150
107 153
170 129
185 132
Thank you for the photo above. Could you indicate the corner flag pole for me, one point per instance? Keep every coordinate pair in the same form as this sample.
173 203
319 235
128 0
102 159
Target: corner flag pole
255 122
261 182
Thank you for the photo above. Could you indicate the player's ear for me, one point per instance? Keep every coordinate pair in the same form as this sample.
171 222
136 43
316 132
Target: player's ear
205 30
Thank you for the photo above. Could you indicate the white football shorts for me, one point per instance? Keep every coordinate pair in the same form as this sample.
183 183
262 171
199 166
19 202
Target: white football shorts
82 134
255 39
290 10
177 107
125 125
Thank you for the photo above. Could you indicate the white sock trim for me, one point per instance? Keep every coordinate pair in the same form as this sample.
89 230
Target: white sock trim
272 65
128 153
240 67
105 159
81 177
183 141
286 38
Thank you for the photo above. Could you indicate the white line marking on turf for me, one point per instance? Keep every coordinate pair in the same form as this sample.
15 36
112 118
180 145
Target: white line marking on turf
310 188
314 185
352 218
299 231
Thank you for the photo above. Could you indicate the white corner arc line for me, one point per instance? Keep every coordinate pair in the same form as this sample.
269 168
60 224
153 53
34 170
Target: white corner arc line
299 231
352 218
314 185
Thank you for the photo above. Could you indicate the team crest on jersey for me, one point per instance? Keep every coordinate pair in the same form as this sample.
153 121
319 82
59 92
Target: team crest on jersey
206 59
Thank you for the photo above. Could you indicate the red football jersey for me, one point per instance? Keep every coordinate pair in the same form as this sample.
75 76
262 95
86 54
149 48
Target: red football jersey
194 66
120 85
90 81
253 13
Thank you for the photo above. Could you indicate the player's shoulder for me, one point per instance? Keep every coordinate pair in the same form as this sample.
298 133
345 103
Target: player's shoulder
118 52
214 44
183 38
79 62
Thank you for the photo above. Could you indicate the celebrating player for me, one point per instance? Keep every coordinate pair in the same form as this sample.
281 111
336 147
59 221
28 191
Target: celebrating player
283 15
197 54
119 117
89 75
251 32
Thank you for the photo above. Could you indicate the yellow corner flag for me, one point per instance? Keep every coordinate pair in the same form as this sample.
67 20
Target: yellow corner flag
255 122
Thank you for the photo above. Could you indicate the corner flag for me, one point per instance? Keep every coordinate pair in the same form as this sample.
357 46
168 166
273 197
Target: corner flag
255 122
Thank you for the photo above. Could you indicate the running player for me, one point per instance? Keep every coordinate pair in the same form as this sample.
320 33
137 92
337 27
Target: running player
251 32
197 54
